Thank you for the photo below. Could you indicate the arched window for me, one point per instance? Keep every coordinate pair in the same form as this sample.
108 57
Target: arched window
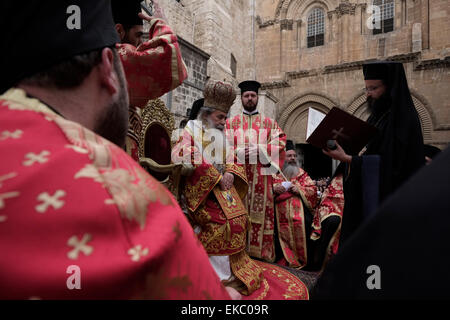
316 28
387 13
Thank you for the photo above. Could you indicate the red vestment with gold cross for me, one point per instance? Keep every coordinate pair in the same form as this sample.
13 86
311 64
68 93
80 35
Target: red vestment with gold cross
290 216
331 203
264 132
152 69
72 203
222 230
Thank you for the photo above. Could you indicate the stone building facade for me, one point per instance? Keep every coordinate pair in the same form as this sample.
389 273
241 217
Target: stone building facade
304 74
223 30
309 53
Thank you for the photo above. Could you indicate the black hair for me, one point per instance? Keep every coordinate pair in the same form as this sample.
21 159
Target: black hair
70 73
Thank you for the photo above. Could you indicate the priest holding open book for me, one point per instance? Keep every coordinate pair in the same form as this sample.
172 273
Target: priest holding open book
391 156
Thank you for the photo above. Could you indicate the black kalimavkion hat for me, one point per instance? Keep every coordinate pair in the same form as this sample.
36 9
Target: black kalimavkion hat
40 34
249 85
126 12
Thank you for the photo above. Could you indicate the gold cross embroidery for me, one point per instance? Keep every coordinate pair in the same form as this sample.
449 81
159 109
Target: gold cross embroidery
31 158
137 252
13 135
48 200
79 246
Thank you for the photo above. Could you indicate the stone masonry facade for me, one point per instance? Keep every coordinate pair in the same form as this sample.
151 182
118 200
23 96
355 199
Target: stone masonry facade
269 41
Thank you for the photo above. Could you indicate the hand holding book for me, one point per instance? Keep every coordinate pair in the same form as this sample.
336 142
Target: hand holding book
338 153
350 133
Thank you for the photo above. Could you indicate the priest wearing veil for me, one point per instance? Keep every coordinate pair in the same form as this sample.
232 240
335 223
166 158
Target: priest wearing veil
392 156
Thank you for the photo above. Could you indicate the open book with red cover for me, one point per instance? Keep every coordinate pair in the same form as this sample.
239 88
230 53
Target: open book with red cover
352 133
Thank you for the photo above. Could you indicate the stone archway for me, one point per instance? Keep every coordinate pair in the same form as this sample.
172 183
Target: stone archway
359 108
290 9
294 118
294 121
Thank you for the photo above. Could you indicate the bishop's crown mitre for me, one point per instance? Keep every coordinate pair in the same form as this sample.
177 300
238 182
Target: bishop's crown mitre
219 95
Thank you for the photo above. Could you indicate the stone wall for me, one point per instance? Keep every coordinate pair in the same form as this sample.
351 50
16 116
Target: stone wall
181 99
331 74
219 29
268 40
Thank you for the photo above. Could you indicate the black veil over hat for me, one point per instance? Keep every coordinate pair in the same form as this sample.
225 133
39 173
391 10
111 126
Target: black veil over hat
37 35
126 12
398 145
196 106
401 141
249 85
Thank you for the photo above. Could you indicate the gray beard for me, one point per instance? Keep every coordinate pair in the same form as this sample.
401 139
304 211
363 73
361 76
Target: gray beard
209 125
290 170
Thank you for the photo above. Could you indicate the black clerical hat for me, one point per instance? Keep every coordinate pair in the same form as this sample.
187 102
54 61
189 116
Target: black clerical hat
126 12
40 34
289 145
375 72
379 70
249 86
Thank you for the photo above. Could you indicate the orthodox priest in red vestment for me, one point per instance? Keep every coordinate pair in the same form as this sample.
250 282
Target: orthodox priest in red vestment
214 192
260 145
308 224
152 68
79 219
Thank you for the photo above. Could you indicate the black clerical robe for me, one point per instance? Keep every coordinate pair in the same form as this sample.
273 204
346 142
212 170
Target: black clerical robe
390 158
402 252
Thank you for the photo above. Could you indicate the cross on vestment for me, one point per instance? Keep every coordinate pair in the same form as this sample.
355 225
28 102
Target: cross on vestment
39 158
137 252
50 201
13 135
79 246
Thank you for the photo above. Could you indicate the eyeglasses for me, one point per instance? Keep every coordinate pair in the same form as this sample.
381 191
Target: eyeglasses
371 89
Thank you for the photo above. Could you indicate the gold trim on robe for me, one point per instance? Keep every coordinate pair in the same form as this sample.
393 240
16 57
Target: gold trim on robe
260 194
290 216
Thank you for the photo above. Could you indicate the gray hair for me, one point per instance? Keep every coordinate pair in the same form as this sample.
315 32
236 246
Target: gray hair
204 111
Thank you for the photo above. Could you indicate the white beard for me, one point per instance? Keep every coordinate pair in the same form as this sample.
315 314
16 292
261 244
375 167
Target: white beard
218 144
290 170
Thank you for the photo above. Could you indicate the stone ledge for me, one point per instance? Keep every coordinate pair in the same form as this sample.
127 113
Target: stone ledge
356 65
405 58
192 47
433 64
268 23
275 84
298 74
344 66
